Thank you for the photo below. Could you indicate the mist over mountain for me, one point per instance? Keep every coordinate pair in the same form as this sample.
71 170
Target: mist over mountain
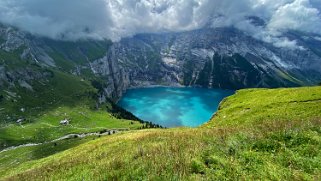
102 19
122 44
88 86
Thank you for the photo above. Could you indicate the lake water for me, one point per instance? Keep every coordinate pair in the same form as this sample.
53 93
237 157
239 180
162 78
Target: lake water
173 107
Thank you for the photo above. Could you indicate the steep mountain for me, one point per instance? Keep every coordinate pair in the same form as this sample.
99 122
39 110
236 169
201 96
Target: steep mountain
257 133
43 82
225 58
214 58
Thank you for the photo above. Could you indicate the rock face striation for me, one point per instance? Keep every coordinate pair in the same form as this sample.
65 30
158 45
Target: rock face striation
213 58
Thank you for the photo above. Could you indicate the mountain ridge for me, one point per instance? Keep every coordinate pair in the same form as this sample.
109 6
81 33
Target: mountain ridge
212 58
192 58
44 81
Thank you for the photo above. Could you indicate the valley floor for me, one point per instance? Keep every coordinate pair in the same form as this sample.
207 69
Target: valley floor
269 134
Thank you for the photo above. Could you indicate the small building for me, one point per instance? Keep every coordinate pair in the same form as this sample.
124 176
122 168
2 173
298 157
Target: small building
64 122
19 121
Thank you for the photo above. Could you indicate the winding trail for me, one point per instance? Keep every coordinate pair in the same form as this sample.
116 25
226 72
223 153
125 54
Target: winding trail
69 136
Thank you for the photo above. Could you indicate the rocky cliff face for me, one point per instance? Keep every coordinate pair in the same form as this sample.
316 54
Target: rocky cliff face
112 73
26 59
213 58
224 58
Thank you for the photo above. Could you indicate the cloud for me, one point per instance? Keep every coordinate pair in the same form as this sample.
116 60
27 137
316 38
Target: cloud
114 19
299 15
58 19
279 16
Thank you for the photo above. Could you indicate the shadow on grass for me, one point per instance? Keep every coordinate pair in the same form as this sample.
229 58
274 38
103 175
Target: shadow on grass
49 149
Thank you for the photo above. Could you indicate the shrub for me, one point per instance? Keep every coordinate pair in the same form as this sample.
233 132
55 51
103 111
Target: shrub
213 162
103 131
197 167
98 85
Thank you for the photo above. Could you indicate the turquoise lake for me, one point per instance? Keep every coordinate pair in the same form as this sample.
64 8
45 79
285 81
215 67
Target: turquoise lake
174 107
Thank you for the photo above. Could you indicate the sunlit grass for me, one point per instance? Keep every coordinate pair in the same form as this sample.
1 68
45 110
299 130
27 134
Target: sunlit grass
47 127
259 105
257 134
271 151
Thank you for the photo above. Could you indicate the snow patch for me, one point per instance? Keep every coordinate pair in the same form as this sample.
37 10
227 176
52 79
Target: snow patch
279 61
24 84
318 38
204 53
170 61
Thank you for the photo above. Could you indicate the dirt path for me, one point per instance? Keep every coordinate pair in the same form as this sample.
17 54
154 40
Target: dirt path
69 136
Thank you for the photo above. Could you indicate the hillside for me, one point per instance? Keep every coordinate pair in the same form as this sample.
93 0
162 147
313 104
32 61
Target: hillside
43 82
58 97
276 138
215 58
251 106
192 58
160 90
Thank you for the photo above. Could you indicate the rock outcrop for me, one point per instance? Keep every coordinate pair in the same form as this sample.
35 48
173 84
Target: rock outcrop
214 58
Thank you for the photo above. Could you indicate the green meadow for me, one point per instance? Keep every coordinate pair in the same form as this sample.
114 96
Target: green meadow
257 134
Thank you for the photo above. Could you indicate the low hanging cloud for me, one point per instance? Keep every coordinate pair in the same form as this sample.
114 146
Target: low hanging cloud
58 19
115 19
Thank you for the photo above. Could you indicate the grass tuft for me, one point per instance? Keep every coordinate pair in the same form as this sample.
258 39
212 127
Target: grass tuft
261 144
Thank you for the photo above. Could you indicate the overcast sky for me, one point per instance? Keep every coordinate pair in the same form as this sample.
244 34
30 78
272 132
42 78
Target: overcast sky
114 19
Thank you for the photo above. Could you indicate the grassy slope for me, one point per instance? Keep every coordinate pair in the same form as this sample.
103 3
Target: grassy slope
63 96
13 158
258 105
257 134
67 55
54 96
